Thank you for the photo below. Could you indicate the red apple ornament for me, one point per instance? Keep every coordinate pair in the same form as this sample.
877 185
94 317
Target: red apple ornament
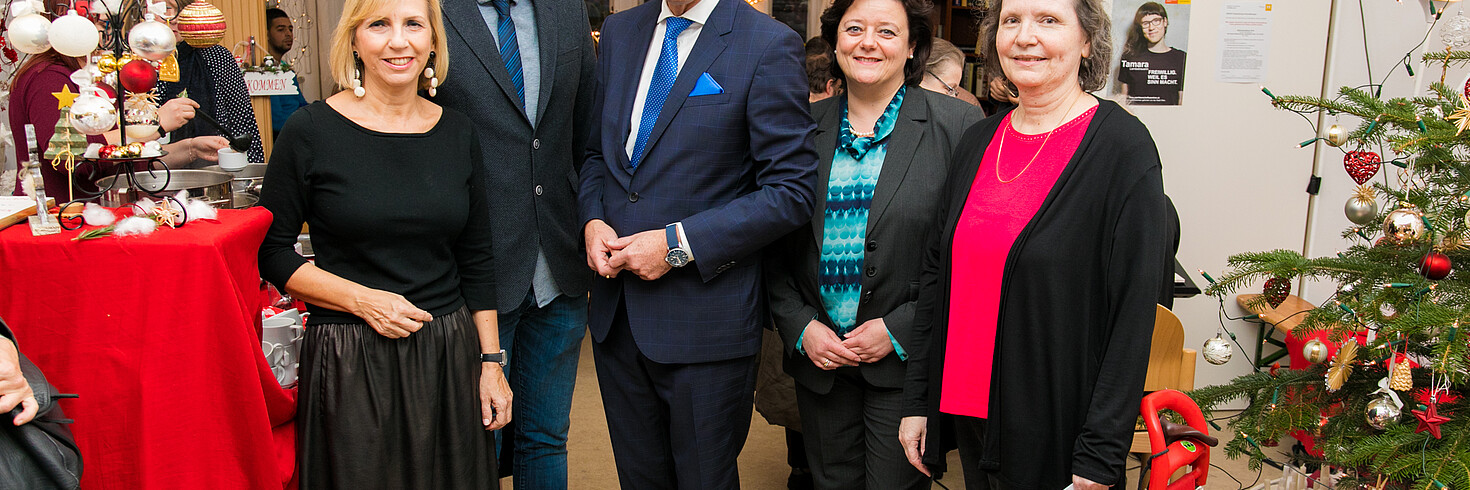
138 76
1435 266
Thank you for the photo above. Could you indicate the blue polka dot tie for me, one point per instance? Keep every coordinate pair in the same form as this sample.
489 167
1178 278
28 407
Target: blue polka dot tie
663 80
510 51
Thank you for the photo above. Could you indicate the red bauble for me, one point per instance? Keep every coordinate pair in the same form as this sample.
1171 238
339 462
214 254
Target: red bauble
1434 266
1276 290
138 76
1361 165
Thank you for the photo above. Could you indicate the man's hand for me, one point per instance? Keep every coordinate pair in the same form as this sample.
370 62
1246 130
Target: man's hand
870 340
825 349
642 254
14 390
912 435
597 236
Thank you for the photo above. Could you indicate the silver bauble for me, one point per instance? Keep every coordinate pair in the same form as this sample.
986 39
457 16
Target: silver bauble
1315 351
74 35
152 40
1217 350
93 115
1382 412
30 33
1335 136
1361 211
1404 224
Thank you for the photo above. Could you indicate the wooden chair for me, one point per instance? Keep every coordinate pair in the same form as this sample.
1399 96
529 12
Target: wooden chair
1170 365
1282 319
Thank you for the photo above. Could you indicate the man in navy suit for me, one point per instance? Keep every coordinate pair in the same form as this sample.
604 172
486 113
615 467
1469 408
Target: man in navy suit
700 155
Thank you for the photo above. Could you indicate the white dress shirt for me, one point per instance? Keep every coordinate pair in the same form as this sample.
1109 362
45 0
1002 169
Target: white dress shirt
699 13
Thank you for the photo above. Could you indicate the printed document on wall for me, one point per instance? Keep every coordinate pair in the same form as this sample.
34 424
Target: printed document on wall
1245 39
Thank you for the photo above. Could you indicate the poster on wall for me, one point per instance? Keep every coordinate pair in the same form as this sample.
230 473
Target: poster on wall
1150 39
1245 35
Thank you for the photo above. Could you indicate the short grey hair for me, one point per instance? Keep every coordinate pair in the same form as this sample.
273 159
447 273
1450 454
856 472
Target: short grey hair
1092 74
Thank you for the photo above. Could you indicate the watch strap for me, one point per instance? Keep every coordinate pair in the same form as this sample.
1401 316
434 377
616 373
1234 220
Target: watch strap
672 232
498 358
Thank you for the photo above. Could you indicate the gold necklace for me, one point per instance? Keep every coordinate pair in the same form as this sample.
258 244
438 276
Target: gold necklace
1038 149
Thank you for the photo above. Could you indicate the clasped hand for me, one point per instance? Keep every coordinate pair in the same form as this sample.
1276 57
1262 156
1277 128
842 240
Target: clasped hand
641 253
868 342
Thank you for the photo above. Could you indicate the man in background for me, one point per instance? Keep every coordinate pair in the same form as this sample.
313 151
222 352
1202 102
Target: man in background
523 72
279 37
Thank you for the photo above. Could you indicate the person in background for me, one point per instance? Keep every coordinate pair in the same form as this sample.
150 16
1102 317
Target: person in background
215 82
1151 72
401 367
819 70
1036 301
841 288
945 71
703 101
280 36
32 102
529 93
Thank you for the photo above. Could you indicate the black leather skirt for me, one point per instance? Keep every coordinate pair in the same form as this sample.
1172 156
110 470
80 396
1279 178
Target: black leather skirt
380 413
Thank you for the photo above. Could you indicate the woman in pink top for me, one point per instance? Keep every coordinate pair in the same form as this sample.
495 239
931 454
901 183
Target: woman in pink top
1036 304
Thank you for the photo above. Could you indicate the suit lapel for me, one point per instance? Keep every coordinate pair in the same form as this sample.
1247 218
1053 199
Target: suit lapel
908 132
547 34
826 141
707 47
464 17
627 73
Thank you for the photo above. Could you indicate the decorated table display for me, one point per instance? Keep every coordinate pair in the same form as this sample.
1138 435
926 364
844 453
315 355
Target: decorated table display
139 52
160 336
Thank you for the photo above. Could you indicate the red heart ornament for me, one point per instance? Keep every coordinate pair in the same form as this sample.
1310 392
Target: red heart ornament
1361 165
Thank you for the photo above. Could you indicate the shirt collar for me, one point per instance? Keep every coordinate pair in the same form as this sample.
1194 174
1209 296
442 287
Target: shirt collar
699 13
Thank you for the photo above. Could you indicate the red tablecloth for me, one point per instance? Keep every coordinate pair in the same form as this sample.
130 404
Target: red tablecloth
160 335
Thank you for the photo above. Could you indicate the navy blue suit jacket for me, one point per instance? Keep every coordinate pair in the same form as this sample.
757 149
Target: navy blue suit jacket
737 168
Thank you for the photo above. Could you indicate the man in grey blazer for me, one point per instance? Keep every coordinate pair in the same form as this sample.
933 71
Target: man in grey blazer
523 72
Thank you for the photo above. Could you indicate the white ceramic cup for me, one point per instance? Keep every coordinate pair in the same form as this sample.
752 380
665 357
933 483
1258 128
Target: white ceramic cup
231 160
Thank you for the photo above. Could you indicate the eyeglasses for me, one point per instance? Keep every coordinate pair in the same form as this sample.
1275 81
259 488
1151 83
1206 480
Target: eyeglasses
1158 22
947 89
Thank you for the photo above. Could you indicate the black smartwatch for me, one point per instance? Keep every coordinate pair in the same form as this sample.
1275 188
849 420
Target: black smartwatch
498 358
677 256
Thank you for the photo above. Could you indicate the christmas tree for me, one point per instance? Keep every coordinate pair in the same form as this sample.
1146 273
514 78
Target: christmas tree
1389 408
64 140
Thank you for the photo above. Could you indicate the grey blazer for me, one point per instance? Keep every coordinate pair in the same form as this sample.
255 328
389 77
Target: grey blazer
532 172
901 222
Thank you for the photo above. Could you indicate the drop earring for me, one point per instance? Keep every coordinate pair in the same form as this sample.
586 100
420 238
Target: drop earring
357 89
429 74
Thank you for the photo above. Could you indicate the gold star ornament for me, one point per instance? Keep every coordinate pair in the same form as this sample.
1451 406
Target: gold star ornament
64 98
1461 116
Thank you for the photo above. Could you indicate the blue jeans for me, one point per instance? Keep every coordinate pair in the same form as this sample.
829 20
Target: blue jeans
543 345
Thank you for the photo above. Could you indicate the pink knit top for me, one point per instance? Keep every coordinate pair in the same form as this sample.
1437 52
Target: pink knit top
994 215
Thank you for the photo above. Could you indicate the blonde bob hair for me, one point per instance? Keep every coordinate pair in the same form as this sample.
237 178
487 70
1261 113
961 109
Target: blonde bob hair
342 58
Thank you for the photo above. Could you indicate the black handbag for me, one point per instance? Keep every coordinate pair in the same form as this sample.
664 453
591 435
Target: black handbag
40 454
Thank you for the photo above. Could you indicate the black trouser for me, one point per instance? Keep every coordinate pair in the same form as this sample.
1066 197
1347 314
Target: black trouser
970 434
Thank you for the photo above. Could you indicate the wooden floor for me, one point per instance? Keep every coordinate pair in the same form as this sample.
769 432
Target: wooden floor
763 462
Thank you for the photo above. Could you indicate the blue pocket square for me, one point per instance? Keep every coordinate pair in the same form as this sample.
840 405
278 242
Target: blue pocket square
706 86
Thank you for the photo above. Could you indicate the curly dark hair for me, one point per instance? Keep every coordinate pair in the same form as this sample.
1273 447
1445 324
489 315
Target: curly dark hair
921 36
1137 43
1092 74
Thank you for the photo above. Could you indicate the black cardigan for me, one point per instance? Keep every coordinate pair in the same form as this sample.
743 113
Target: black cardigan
1076 314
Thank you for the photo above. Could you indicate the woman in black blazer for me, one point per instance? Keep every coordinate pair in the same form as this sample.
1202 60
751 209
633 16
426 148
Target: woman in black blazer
843 292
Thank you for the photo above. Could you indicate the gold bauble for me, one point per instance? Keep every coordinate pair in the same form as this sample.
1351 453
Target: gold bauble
108 63
1404 224
1335 136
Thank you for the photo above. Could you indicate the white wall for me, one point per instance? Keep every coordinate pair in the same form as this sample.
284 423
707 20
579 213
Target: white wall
1231 164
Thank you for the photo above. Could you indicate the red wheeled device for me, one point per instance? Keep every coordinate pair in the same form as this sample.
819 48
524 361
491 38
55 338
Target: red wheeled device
1174 446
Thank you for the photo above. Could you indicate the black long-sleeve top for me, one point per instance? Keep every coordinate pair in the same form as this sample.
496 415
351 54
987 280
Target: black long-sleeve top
402 212
1076 314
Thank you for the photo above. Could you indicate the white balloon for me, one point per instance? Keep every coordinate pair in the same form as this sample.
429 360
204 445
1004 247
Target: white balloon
93 115
30 33
74 35
109 6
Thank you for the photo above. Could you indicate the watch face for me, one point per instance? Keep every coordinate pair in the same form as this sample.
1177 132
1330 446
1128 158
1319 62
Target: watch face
677 258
